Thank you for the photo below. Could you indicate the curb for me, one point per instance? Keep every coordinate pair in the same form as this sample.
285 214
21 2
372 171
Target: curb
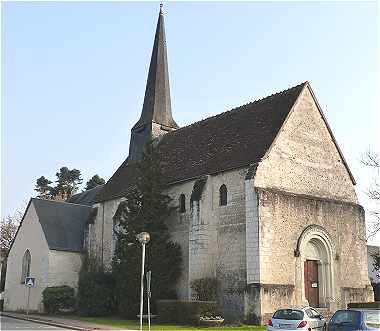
41 321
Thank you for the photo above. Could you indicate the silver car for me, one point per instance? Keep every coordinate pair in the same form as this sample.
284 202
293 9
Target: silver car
302 318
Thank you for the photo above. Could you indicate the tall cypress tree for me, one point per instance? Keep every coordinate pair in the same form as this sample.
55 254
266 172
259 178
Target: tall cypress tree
146 208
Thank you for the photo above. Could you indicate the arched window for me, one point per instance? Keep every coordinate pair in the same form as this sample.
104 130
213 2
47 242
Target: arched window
26 261
182 203
223 195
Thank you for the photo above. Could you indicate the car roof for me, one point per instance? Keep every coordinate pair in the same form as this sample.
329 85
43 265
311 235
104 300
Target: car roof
300 307
364 309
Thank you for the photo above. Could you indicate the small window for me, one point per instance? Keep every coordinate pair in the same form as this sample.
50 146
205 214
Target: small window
182 203
223 195
26 261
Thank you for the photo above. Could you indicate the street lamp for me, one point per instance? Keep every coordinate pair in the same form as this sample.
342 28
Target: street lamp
143 238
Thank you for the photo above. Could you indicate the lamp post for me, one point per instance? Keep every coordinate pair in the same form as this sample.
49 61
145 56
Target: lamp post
143 238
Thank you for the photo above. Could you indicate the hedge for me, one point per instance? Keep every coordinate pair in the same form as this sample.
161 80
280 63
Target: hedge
375 304
376 291
185 312
96 295
55 298
205 289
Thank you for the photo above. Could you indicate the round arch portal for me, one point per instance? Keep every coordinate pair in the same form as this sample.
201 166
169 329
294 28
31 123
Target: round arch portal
315 251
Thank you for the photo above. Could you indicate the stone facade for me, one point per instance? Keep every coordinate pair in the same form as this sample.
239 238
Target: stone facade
30 236
297 204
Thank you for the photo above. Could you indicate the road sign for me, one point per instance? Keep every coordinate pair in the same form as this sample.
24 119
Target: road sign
148 278
30 281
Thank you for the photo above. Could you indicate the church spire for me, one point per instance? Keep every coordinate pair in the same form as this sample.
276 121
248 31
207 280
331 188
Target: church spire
157 105
156 116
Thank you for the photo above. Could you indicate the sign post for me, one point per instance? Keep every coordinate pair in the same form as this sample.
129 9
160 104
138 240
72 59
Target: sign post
149 294
29 283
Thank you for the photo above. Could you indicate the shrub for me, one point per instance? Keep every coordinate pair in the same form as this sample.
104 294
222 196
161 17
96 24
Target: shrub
376 291
96 293
205 289
55 298
375 304
185 312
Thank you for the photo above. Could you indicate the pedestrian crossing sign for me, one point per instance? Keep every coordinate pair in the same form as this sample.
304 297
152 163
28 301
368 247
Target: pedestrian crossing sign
30 281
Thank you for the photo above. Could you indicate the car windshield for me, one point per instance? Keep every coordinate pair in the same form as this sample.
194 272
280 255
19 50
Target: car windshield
350 317
289 314
372 318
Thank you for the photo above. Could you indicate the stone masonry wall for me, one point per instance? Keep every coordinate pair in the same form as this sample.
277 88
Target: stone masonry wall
101 232
64 268
212 238
304 158
283 217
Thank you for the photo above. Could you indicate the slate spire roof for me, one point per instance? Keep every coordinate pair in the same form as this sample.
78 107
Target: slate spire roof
157 104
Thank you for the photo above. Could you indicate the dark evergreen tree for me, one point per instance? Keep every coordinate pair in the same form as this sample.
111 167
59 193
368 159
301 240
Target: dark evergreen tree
43 188
94 181
67 183
146 208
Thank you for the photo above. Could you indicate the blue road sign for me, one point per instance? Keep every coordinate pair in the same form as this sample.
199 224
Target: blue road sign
30 281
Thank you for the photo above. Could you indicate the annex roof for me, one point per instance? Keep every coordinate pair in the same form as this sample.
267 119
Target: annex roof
86 198
63 223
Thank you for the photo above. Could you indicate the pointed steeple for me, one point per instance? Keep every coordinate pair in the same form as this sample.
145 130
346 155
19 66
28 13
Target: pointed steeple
156 116
157 105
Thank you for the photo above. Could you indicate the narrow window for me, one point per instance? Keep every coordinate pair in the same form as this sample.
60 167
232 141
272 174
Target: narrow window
26 260
182 203
223 195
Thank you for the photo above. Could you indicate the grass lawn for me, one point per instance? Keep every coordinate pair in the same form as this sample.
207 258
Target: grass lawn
134 325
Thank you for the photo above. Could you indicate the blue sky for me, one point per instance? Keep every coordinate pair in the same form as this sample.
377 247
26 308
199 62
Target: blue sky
74 74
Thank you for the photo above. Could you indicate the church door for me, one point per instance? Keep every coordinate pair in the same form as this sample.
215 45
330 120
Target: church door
311 282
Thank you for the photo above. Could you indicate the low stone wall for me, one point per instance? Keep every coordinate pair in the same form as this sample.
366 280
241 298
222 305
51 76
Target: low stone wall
350 294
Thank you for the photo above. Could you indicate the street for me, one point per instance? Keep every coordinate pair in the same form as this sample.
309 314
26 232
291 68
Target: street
7 323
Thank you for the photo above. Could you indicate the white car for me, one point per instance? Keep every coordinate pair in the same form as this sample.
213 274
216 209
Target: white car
300 318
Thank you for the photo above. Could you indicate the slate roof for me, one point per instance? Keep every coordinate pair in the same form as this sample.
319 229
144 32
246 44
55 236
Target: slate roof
157 105
63 223
87 197
230 140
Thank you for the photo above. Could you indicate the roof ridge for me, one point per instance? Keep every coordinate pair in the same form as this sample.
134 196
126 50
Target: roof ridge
97 186
55 201
238 108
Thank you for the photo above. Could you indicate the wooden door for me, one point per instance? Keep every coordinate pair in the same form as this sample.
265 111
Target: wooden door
311 282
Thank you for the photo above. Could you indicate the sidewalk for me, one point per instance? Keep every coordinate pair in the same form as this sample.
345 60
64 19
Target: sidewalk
62 322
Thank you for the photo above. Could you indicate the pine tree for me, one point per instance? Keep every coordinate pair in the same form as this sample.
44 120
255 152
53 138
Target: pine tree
146 208
67 183
43 188
93 182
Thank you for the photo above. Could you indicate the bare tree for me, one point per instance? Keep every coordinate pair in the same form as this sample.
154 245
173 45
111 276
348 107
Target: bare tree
371 160
8 228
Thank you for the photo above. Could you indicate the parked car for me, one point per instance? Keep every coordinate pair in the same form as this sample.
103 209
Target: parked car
297 318
355 320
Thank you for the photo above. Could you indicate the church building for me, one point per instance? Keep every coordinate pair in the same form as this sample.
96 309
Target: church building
266 200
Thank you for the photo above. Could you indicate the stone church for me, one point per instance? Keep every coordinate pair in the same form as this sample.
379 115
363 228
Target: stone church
266 200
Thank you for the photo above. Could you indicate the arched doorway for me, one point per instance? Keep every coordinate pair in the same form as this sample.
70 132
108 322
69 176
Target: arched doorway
316 253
